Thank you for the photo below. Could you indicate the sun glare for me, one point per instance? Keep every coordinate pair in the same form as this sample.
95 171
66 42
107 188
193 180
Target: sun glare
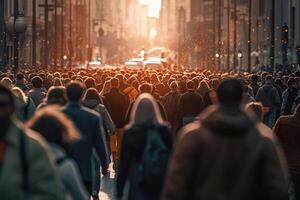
153 33
153 7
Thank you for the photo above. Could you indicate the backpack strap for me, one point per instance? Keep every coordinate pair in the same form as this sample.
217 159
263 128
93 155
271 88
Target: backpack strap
24 161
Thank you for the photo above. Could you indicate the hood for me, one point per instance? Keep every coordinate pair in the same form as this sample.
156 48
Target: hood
90 103
229 121
57 151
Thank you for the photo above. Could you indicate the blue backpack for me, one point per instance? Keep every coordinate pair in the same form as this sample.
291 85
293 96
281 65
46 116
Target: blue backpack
155 159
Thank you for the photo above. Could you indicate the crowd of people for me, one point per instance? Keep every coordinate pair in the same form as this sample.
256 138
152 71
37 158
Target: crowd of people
169 134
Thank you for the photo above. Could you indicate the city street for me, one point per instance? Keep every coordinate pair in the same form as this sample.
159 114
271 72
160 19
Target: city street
192 99
107 191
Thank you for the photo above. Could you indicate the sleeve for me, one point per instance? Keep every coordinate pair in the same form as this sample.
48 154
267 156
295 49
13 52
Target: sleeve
276 128
273 174
277 98
31 108
43 178
108 121
284 100
100 142
179 180
258 95
124 166
73 182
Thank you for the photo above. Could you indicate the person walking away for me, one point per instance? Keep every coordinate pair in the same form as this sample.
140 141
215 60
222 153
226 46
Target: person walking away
58 130
89 124
269 97
287 131
92 101
254 84
56 95
37 94
27 170
170 103
146 146
118 105
289 96
21 83
222 155
190 104
25 107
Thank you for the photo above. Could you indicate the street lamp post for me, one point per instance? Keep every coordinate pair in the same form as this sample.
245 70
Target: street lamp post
235 36
33 59
228 34
2 34
240 56
16 26
55 33
272 49
62 34
249 36
46 13
219 33
70 35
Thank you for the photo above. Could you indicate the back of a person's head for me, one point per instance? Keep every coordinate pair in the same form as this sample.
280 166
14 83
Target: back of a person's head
291 82
5 91
37 82
75 90
254 78
145 110
256 109
190 85
174 85
6 81
114 82
92 94
90 82
56 95
146 88
269 79
19 77
230 92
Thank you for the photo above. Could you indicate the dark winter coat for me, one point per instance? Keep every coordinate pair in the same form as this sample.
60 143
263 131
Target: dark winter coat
223 156
287 130
132 148
89 123
118 103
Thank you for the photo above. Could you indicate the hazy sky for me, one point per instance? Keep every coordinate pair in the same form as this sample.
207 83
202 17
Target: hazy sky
153 7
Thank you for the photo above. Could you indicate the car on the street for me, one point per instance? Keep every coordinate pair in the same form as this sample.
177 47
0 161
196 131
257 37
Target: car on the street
95 64
154 64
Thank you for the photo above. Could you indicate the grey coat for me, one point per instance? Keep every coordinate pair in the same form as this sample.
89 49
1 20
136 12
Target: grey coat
88 122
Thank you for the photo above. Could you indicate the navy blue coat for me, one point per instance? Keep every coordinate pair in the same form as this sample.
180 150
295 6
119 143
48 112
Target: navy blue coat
92 136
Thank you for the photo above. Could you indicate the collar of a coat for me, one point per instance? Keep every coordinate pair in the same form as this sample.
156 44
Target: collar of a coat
73 104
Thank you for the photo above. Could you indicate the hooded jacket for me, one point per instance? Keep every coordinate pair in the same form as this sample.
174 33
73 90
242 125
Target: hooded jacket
223 156
101 109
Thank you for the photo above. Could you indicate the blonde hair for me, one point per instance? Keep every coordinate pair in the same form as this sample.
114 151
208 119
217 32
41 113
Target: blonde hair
19 94
145 110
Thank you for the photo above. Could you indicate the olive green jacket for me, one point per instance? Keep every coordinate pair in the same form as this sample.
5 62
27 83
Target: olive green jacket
44 183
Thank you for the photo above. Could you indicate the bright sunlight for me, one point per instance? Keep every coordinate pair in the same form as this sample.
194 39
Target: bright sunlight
153 7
